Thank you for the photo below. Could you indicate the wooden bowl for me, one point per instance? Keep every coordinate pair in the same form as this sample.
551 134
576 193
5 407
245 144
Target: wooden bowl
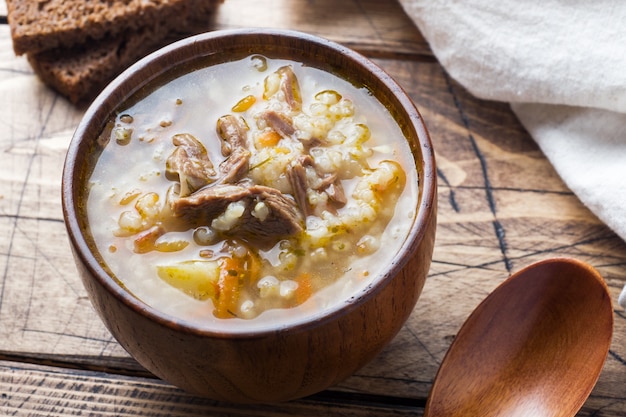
272 364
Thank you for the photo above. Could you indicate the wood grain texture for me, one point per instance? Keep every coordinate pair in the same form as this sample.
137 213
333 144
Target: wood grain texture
376 28
501 207
28 390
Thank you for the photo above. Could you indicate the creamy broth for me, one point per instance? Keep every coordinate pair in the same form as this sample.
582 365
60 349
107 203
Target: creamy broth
333 240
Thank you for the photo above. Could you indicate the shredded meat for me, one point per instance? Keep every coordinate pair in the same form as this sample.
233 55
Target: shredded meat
297 176
334 189
312 142
233 134
283 218
268 216
280 123
235 147
189 163
236 167
203 206
290 88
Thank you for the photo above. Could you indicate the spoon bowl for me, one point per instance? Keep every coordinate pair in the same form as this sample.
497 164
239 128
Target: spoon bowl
535 346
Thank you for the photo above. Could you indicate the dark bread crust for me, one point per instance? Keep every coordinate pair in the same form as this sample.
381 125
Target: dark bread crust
46 24
82 71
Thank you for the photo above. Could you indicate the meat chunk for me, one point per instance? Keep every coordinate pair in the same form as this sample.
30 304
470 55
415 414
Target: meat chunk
238 208
279 123
290 87
267 217
271 216
233 133
189 164
235 147
235 167
333 188
200 208
296 174
300 183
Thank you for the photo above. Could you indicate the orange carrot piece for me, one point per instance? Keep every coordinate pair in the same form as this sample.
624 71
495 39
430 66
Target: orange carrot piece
305 288
228 288
244 104
269 138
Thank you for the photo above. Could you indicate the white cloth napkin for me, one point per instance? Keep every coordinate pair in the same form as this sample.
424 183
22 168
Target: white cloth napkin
562 67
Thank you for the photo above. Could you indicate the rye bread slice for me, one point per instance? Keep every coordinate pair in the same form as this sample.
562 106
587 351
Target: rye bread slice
82 71
38 25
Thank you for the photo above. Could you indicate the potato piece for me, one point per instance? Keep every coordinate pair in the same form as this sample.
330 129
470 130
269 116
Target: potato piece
199 279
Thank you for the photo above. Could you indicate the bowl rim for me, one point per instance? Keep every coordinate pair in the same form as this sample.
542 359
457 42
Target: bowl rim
101 108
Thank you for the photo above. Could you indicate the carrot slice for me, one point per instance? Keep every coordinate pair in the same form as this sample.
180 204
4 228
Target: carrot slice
269 138
244 104
229 287
305 288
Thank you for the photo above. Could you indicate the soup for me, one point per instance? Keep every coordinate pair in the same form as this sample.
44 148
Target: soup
253 190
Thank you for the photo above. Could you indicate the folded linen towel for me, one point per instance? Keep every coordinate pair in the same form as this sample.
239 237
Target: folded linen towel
561 65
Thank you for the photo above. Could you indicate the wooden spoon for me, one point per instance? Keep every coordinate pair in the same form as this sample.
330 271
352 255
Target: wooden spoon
533 347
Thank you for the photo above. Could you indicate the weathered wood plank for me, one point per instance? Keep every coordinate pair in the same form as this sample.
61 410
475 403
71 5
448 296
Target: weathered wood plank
370 26
39 390
28 390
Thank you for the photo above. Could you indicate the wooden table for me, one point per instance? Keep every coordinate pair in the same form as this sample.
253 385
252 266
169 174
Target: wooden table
502 206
